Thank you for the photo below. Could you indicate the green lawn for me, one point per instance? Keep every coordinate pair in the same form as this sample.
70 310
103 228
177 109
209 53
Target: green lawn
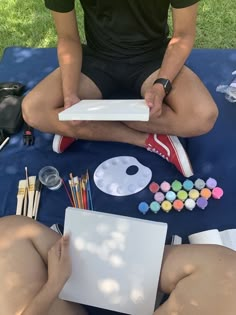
28 23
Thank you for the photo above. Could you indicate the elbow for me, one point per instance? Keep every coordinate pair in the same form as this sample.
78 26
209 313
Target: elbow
183 39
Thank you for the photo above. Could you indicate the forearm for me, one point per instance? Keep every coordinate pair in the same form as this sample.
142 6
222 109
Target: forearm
175 56
42 302
70 60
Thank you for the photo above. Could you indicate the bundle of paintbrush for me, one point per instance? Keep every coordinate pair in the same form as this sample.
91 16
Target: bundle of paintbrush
28 196
80 191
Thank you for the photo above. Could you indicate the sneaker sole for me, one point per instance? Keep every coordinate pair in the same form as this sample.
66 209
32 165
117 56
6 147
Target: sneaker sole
57 228
56 143
182 157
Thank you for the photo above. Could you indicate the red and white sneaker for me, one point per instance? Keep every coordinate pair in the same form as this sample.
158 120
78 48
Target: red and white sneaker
61 143
171 149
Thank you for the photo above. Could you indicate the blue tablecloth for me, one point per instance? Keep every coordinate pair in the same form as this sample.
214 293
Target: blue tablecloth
212 155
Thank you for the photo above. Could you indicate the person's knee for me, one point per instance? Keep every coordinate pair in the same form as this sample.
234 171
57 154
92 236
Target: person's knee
203 118
13 222
29 111
209 118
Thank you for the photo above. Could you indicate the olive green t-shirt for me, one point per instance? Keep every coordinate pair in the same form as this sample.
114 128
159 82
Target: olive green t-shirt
123 28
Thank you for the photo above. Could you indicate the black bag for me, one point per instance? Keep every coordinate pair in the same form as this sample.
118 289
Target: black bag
11 119
11 88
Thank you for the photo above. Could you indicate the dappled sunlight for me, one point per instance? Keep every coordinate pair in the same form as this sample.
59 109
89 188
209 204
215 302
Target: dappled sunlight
188 268
29 24
177 303
111 248
109 286
137 295
112 267
22 54
194 302
102 229
205 291
228 282
11 280
12 169
116 261
231 274
110 252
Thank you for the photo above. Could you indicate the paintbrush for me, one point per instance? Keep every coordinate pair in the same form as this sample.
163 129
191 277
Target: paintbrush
38 188
72 188
76 182
26 192
89 191
84 193
4 143
20 196
31 193
67 192
26 177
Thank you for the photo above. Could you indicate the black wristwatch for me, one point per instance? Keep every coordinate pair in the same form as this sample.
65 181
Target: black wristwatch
165 83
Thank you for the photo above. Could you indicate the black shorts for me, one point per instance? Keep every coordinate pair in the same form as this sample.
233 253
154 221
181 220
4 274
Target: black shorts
112 75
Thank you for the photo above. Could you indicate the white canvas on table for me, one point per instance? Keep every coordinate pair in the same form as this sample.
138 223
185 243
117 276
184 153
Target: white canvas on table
225 238
113 110
116 261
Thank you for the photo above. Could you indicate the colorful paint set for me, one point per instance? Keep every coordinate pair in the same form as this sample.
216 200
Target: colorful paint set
178 196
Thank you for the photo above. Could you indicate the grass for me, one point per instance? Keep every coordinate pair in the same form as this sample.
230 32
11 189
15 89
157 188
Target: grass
29 23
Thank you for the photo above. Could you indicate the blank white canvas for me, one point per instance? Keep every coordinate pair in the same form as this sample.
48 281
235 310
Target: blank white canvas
225 238
113 110
229 238
206 237
116 261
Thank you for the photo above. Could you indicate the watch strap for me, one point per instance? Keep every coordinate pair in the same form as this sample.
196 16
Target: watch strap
165 83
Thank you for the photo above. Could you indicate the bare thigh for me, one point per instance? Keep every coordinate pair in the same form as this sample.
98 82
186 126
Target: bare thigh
24 245
189 105
49 90
42 104
201 280
188 90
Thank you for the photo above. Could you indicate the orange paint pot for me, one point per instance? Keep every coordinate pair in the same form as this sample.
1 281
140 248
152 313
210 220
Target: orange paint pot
205 193
178 205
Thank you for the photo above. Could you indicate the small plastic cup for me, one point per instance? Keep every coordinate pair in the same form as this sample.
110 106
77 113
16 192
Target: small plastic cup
49 177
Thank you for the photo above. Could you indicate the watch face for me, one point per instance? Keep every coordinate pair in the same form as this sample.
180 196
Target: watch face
167 86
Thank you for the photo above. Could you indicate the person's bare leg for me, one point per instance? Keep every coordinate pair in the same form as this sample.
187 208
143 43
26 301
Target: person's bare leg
201 280
42 105
189 110
24 245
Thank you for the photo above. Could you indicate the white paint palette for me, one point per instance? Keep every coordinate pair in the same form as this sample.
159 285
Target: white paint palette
111 176
107 110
